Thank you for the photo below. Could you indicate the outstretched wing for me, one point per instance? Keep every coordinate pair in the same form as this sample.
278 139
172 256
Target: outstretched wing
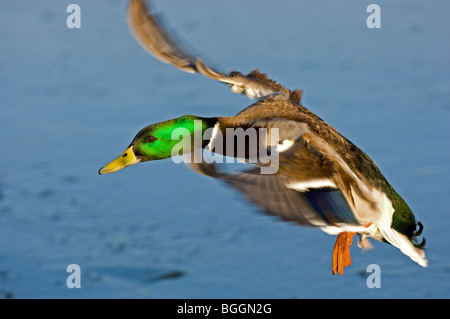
160 44
155 40
310 202
313 206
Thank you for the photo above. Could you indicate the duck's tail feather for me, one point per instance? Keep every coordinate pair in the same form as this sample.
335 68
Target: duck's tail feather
404 244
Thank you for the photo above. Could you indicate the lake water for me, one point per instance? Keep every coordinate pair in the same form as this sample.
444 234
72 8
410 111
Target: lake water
72 100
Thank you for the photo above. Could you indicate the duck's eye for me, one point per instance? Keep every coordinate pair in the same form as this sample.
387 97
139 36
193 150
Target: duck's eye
151 139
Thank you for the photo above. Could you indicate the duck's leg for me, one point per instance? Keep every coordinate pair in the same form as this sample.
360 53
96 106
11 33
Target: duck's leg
341 252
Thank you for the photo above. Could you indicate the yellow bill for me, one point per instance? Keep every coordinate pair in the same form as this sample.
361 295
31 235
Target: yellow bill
127 158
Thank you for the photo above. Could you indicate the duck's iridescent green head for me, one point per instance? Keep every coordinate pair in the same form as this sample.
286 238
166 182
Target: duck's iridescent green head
157 141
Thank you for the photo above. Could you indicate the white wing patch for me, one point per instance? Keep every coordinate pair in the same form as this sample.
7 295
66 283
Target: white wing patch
213 136
284 145
252 93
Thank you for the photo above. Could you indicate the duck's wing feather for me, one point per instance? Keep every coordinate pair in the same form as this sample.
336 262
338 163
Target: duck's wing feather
147 31
158 42
313 204
308 188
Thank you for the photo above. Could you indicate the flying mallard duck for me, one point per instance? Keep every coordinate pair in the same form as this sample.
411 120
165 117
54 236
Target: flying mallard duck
322 179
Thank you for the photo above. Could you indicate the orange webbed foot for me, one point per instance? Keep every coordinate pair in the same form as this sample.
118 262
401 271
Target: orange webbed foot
341 252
